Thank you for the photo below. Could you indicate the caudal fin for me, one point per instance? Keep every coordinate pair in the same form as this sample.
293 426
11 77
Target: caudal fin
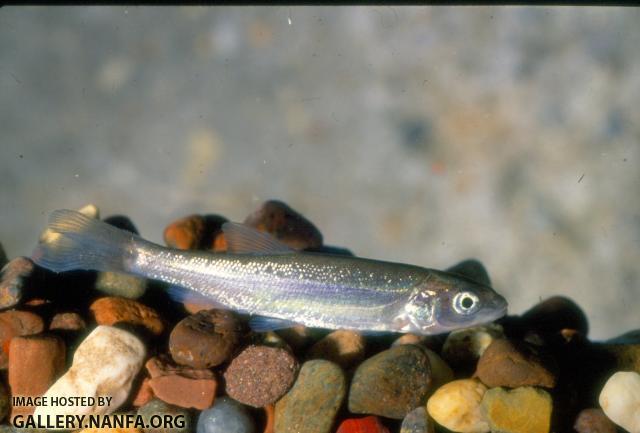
75 241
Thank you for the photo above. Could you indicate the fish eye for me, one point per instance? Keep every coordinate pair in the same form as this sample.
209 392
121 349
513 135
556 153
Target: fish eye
465 302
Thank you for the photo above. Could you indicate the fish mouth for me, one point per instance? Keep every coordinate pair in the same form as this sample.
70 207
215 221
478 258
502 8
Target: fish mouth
497 308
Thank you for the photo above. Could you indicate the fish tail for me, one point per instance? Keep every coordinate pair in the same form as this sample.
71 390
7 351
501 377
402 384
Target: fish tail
75 241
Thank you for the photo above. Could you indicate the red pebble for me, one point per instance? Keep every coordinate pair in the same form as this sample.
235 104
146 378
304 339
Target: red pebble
369 424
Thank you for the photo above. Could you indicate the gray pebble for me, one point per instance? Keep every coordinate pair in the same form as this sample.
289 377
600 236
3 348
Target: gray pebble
225 416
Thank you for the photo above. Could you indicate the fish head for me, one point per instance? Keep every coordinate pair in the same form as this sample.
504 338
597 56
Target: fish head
444 302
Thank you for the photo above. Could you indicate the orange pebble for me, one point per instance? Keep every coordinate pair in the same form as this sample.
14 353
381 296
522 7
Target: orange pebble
369 424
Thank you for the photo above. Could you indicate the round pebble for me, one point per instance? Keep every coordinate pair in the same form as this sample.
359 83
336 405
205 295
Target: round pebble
456 406
186 233
593 421
260 375
417 421
225 416
554 314
158 408
16 323
111 310
14 277
504 363
369 424
205 339
620 400
520 410
345 348
68 322
314 400
121 285
391 383
462 348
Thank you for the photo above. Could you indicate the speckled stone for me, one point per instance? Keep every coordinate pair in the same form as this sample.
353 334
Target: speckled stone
111 310
285 224
456 406
391 383
157 407
462 348
345 348
620 400
520 410
16 323
205 339
260 375
593 421
121 285
368 424
14 277
67 321
225 416
185 233
314 400
417 421
505 363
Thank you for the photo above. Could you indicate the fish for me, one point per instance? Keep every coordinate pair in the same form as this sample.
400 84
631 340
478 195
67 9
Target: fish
275 284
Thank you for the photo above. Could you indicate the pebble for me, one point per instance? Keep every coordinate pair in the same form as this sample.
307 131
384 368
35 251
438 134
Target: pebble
299 337
417 421
205 339
111 310
260 375
13 324
369 424
593 421
441 373
105 363
5 403
391 383
14 278
185 233
121 285
505 363
626 356
520 410
554 314
67 321
314 400
286 225
457 406
620 400
157 408
345 348
144 394
35 362
270 415
225 416
181 386
462 348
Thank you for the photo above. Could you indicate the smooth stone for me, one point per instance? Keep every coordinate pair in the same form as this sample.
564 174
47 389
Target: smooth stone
620 400
16 323
417 421
593 421
462 348
457 406
285 224
270 415
158 408
391 383
314 400
144 394
299 337
194 232
225 416
626 356
509 364
121 285
205 339
35 362
260 375
14 280
345 348
369 424
441 373
69 321
104 364
111 310
554 314
181 386
520 410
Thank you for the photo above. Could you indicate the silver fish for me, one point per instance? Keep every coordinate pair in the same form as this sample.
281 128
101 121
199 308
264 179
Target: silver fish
263 277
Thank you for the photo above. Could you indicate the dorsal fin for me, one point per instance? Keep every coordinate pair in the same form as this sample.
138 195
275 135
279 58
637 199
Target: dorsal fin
244 239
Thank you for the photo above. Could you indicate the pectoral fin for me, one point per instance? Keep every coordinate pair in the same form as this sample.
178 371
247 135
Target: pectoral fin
265 324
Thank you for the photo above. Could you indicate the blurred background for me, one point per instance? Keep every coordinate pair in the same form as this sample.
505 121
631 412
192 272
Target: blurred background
424 135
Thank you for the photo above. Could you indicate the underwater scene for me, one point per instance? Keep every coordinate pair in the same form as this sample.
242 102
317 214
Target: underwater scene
316 219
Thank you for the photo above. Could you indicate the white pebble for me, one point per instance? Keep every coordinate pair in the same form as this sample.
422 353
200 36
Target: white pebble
620 400
456 406
104 365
